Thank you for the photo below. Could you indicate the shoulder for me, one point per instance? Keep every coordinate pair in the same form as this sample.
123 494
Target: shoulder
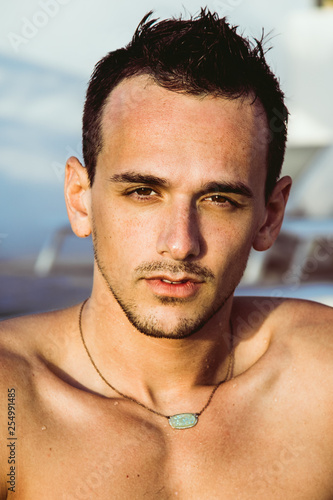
16 347
283 317
307 329
30 347
303 323
29 343
298 330
291 343
296 337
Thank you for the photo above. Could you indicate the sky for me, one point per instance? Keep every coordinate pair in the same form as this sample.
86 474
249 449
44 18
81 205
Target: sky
48 49
74 34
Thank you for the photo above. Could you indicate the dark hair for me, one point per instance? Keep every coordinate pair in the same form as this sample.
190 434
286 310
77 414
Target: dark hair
200 56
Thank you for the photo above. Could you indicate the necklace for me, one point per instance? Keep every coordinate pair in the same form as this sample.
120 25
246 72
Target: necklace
180 420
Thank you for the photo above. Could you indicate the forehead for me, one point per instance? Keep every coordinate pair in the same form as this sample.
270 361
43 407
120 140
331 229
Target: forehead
144 123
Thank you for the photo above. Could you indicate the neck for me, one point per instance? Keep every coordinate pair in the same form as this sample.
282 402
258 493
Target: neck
156 371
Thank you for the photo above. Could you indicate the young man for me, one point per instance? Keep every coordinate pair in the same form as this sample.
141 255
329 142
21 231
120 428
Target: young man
162 385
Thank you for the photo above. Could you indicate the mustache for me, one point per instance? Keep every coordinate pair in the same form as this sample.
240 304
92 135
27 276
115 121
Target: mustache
192 268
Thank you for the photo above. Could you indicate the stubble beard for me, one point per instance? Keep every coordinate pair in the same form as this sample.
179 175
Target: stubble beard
149 324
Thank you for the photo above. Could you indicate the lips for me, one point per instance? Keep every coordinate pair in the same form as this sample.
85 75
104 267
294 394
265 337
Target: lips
173 282
167 286
182 278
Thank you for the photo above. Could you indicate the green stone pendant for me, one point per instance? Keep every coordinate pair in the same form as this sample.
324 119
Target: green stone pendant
183 420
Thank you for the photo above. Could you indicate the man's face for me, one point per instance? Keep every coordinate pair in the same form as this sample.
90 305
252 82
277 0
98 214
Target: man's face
177 201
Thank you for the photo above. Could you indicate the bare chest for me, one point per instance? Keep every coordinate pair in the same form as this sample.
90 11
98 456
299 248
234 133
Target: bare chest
117 451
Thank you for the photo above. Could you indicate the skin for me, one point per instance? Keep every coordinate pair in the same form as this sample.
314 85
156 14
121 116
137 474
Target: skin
195 213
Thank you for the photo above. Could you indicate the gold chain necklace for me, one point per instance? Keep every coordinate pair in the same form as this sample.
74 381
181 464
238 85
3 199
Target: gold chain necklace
180 420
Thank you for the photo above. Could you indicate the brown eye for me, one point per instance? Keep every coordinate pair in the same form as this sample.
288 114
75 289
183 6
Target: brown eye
217 198
220 200
141 193
144 191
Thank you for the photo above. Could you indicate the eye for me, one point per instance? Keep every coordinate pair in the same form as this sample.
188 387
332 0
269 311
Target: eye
219 199
142 193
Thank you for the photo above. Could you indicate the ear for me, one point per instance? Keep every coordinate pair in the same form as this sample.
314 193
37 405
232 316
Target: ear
275 209
77 197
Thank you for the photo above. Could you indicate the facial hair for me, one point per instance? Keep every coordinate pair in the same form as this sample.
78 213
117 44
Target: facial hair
148 324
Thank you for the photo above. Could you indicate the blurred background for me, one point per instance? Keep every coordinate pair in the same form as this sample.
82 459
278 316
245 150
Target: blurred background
48 49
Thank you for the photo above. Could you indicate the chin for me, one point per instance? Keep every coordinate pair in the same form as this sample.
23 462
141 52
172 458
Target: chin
181 330
167 322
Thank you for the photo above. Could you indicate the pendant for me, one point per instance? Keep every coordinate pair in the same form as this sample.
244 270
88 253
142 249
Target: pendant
183 420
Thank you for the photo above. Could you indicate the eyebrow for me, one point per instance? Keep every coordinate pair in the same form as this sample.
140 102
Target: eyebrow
209 187
227 187
135 178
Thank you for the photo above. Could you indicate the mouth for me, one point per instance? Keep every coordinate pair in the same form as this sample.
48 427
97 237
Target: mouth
173 282
168 286
184 278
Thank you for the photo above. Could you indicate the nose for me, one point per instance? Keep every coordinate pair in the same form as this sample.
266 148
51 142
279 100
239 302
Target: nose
179 237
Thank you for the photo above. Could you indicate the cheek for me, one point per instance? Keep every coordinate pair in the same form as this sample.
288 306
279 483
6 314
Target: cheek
228 257
123 238
231 238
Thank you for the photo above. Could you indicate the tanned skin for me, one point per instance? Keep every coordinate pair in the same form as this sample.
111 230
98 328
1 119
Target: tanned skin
179 195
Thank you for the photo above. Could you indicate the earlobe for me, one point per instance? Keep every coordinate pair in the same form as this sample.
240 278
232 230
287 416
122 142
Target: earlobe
77 197
275 208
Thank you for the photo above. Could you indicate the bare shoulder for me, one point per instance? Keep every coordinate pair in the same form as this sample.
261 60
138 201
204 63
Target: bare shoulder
307 328
27 341
304 323
29 347
298 336
285 318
